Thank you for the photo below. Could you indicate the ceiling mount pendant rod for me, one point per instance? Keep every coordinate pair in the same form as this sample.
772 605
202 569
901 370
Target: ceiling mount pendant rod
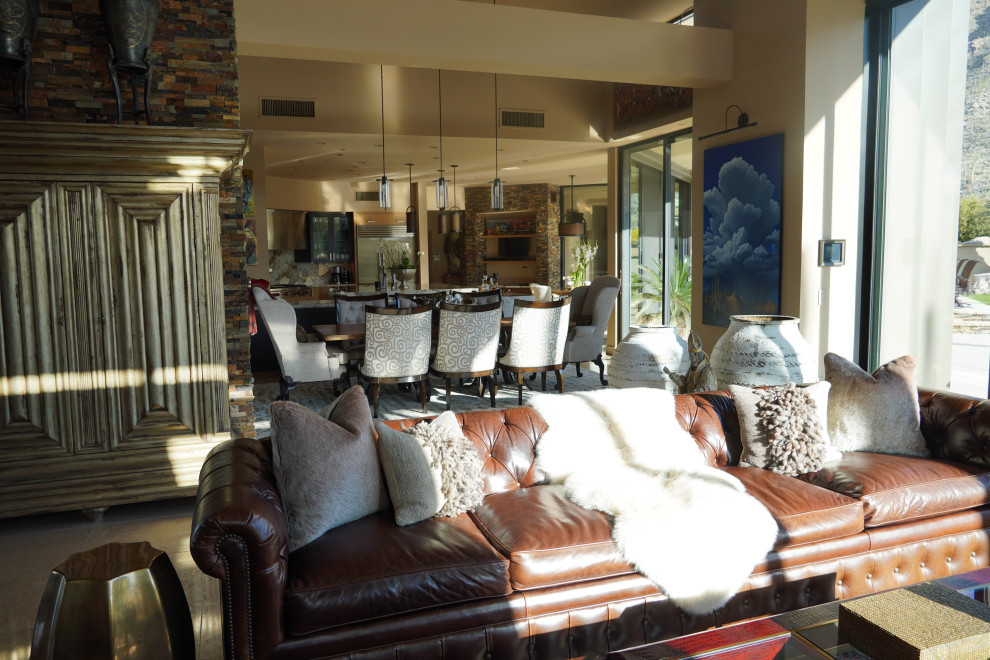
443 220
497 201
411 219
384 189
572 224
456 214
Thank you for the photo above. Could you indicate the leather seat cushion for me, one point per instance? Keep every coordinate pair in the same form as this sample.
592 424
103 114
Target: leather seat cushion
897 489
569 544
373 568
804 513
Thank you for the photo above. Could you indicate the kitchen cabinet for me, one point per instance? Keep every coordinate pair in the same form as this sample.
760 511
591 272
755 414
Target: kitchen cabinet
329 238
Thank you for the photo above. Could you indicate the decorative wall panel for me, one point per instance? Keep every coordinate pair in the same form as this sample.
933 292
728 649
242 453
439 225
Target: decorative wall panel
113 365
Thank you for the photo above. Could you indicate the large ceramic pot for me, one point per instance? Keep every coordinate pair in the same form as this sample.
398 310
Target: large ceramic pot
17 21
131 30
642 354
763 350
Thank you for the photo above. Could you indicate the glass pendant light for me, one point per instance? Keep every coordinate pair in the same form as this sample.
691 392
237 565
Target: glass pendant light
442 219
384 185
456 213
497 183
572 224
411 219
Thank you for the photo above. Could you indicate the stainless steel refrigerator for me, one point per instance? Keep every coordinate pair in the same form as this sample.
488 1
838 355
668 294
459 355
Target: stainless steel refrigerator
368 237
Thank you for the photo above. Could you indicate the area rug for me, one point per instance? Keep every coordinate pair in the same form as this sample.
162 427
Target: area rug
395 404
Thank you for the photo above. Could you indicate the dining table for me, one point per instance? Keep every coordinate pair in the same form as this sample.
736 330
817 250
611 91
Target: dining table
355 331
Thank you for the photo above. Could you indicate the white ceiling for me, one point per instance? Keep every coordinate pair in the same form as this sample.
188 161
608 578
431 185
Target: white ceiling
343 142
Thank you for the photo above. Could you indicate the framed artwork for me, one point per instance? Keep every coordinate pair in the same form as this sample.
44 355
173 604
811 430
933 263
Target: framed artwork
248 193
637 104
831 253
250 228
742 223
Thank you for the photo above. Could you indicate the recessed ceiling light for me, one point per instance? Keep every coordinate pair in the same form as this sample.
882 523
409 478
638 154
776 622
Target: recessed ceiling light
510 168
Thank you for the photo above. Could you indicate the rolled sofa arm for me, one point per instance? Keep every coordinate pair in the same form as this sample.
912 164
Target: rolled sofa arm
956 427
239 536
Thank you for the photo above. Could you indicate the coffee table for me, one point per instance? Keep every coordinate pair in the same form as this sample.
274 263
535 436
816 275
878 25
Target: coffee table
811 633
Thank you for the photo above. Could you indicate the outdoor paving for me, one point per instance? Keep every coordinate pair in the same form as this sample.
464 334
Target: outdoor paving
971 348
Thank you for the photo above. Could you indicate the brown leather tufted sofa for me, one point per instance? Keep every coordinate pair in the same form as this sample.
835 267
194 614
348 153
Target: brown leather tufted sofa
531 575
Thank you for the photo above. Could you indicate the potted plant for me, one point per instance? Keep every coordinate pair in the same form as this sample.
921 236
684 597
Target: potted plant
647 290
400 261
583 254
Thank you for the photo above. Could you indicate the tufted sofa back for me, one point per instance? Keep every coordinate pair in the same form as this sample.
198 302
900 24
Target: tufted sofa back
506 439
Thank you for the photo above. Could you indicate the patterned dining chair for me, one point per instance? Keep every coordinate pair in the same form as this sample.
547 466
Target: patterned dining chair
397 349
539 330
350 309
467 345
485 297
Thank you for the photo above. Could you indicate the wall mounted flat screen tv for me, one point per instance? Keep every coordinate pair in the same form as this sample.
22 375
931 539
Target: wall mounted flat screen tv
513 248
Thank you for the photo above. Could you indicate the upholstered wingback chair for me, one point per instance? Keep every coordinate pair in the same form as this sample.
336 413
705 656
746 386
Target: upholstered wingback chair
467 344
397 348
300 362
539 330
591 307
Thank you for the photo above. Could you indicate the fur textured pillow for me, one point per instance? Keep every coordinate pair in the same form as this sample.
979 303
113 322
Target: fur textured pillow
432 470
784 429
326 466
876 413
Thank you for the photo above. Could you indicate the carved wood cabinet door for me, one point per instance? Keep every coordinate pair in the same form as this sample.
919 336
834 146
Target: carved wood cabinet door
113 350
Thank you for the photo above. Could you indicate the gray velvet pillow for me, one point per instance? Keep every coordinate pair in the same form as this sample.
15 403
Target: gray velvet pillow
326 466
784 429
876 413
431 470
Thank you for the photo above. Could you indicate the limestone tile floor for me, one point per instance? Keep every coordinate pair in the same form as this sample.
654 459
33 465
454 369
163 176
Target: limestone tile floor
31 546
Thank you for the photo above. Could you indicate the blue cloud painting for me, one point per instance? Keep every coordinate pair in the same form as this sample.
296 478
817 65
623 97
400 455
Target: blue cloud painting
742 229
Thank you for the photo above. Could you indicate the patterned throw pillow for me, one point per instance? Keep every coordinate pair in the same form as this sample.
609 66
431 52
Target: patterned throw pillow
876 412
326 466
431 470
784 428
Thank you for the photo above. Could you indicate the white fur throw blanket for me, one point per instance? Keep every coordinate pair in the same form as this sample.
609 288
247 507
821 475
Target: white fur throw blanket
688 527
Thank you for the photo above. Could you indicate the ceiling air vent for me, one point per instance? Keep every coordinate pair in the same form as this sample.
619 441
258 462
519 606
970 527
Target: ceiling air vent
365 195
523 118
288 108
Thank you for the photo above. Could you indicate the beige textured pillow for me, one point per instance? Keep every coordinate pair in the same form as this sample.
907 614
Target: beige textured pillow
431 470
784 429
326 467
876 413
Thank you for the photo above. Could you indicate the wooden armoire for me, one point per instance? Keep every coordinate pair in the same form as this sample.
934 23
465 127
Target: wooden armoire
113 353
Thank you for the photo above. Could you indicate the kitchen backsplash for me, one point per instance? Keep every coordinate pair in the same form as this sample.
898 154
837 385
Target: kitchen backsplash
285 270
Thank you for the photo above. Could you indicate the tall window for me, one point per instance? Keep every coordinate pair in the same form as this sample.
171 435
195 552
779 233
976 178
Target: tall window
917 68
655 233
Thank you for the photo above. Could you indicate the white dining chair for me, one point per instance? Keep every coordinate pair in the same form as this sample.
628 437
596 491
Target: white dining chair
299 362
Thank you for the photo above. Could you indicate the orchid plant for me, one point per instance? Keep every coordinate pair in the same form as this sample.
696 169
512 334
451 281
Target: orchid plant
398 256
583 254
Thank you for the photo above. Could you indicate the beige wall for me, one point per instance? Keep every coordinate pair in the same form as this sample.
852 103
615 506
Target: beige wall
804 83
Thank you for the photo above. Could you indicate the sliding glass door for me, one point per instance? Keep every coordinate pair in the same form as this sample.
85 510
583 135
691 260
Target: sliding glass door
918 52
655 233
